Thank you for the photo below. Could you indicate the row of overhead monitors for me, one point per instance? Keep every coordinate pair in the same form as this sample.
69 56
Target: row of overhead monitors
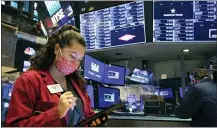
113 74
125 24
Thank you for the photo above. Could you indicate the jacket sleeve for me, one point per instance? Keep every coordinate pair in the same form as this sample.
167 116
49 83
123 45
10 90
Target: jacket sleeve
21 108
190 105
90 111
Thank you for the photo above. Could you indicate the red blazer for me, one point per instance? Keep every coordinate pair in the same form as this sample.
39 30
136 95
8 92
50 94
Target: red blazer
32 104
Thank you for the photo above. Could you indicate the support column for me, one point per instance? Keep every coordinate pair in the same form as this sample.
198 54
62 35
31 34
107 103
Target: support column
183 74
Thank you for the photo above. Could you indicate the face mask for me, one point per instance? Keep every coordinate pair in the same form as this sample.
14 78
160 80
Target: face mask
64 66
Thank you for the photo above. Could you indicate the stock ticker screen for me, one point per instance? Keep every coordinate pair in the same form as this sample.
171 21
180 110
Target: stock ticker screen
178 21
114 26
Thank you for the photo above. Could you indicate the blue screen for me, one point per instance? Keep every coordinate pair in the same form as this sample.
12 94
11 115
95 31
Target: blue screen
91 94
178 21
165 92
142 76
108 96
93 69
180 91
114 26
67 17
52 6
114 75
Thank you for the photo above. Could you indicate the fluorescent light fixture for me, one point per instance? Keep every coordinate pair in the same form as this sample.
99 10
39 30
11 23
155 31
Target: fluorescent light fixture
185 50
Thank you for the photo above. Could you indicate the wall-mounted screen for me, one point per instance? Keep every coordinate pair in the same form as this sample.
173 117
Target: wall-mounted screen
64 15
115 26
52 6
142 76
91 94
178 21
93 69
114 75
108 96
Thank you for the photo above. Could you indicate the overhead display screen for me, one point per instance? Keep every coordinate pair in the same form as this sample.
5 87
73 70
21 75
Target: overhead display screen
177 21
115 26
63 16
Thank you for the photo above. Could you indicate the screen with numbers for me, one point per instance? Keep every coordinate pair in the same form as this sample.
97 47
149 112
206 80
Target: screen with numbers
178 21
114 26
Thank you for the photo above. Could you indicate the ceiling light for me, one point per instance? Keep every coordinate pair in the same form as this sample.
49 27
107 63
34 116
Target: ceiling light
91 8
185 50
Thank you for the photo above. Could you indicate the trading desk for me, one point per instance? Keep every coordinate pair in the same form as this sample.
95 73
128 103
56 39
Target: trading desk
147 121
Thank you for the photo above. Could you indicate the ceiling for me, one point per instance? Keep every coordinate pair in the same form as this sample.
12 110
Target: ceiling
155 51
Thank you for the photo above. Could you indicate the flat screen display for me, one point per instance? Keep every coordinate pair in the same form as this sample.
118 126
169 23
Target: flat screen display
52 6
115 26
108 96
180 91
91 94
93 69
165 92
142 76
114 75
178 21
62 16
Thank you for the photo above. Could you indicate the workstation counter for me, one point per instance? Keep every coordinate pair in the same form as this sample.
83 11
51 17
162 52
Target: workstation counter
147 121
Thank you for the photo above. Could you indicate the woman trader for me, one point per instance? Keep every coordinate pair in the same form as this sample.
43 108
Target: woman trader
52 93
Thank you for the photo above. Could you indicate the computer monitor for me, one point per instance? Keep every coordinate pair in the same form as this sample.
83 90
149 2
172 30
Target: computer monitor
108 96
91 94
167 93
93 69
142 76
114 75
180 91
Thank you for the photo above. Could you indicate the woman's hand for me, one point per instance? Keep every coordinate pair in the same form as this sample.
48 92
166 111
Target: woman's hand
66 101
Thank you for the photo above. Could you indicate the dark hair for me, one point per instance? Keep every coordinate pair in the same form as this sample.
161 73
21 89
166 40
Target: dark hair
44 58
200 73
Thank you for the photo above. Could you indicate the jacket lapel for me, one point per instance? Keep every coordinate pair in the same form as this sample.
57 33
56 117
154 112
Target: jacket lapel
48 79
